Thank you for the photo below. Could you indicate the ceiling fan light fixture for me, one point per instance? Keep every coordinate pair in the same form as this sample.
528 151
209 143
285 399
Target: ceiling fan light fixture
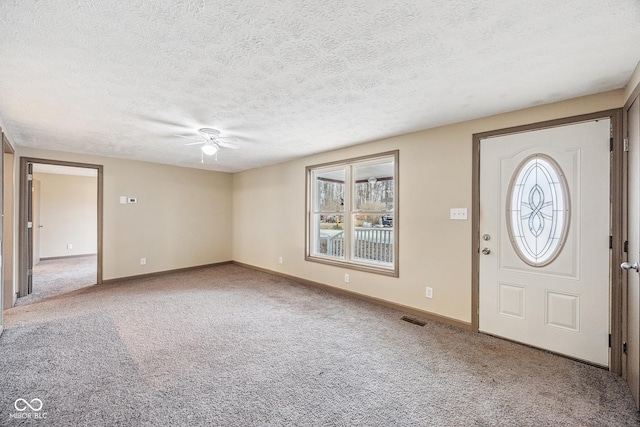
209 149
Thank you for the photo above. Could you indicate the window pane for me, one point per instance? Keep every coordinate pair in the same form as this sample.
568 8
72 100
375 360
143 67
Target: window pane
329 235
374 187
330 191
372 244
352 213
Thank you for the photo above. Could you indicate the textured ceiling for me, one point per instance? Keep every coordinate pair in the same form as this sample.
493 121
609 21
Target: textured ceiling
290 78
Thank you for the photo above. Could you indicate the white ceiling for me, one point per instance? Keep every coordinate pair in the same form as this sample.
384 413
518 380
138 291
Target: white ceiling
290 78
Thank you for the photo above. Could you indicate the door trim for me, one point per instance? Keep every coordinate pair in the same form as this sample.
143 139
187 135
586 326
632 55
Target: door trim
616 191
633 97
8 247
23 256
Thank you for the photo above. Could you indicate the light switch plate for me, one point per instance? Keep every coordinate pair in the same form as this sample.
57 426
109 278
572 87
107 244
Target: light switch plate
458 213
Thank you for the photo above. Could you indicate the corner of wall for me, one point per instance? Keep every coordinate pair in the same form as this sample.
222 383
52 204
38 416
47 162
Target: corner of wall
632 84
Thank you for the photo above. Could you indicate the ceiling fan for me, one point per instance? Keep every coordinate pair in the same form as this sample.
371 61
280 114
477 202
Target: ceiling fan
212 142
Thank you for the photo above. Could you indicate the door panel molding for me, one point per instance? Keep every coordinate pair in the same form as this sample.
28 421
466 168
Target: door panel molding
23 235
616 191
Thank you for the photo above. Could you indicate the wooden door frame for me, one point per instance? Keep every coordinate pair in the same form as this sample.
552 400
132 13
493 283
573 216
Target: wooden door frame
617 216
625 132
23 252
7 148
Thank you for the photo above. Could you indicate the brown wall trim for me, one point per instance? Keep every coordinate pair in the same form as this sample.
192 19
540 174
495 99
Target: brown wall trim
549 123
6 145
618 229
378 301
163 273
49 258
634 94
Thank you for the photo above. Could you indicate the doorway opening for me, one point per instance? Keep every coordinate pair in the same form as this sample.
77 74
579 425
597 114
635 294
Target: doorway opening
60 228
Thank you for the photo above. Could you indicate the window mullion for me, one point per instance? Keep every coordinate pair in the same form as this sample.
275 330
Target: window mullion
347 214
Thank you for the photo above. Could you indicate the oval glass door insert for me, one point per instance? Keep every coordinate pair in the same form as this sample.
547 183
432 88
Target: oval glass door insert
538 210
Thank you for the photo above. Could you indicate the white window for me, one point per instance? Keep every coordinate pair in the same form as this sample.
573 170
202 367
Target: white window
352 213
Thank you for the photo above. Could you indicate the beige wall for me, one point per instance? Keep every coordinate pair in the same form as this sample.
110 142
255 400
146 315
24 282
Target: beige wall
435 175
68 214
182 218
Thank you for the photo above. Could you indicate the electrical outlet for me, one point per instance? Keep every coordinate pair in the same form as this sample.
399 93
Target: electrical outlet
143 261
280 260
429 293
346 278
69 246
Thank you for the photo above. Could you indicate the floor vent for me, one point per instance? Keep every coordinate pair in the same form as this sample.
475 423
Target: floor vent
413 320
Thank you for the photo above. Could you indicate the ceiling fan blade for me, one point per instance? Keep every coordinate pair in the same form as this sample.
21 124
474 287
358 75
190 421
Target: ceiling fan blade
228 145
226 138
195 137
196 143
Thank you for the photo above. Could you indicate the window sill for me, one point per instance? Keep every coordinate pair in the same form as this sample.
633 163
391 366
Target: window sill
392 272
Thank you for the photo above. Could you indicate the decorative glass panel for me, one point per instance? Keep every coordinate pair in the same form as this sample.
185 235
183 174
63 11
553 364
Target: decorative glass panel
538 210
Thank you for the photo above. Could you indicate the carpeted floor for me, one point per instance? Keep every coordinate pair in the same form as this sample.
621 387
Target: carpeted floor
58 276
229 346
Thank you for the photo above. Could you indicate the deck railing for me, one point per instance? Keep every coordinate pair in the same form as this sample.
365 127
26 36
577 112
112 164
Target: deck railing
370 244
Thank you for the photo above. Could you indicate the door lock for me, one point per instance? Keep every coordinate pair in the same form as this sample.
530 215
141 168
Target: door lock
486 251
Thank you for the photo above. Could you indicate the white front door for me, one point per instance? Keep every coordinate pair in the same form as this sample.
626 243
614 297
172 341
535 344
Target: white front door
544 236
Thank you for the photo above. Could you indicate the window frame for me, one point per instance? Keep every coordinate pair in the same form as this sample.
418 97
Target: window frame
349 212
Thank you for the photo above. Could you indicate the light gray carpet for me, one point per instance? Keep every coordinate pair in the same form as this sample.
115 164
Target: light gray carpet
230 346
58 276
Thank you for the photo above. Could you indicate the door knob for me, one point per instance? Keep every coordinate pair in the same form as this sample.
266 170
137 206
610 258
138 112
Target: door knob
627 266
486 251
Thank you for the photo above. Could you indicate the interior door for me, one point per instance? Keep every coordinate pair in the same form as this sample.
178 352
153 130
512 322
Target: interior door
633 233
544 227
